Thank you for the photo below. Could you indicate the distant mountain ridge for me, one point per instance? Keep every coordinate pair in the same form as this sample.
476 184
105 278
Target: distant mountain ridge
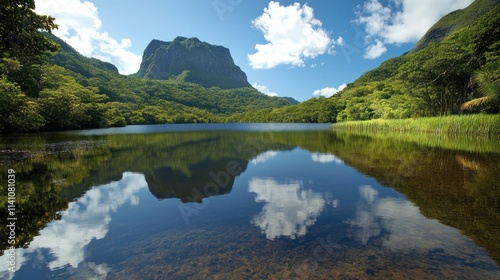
454 21
135 100
438 32
191 60
70 59
188 80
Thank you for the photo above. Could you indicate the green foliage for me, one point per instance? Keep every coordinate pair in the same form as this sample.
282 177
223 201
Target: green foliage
456 72
456 125
19 30
316 110
66 104
441 73
386 70
17 111
88 93
434 80
22 47
487 80
455 21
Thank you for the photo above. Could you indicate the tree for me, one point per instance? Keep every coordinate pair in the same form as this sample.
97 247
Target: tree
22 44
17 112
20 27
440 74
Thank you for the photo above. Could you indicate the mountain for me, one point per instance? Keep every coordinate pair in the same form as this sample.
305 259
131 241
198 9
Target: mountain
455 21
291 99
70 59
191 60
442 72
442 29
189 81
456 63
105 98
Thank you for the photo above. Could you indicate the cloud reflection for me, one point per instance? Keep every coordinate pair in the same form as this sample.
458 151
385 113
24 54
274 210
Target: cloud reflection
326 158
86 219
264 157
400 225
289 209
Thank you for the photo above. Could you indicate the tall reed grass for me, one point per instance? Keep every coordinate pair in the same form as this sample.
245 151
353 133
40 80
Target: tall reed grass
451 125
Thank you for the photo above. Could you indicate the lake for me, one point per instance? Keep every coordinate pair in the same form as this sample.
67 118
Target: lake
248 201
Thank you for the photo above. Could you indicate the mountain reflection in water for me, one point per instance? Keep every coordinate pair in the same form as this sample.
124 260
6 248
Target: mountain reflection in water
253 204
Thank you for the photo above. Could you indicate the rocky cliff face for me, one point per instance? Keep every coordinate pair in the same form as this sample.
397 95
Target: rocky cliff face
193 61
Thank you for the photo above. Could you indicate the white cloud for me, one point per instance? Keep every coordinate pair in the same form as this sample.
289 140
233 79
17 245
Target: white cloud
328 91
401 21
375 50
289 209
293 35
374 16
265 90
340 41
80 26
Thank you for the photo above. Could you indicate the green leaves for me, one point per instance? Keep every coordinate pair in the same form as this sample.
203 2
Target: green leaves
17 111
487 80
19 30
435 79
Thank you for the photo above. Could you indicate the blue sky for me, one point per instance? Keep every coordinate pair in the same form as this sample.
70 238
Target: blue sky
286 48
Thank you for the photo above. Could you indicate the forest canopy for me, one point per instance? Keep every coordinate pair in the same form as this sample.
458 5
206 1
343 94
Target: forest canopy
457 75
47 85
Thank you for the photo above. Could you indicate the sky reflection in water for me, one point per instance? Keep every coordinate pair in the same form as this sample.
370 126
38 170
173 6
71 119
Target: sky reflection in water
291 212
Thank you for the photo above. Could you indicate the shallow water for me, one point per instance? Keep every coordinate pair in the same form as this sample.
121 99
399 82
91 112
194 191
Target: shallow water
249 201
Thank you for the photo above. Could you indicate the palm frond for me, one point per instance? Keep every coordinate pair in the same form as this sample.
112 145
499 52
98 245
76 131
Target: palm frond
475 103
487 80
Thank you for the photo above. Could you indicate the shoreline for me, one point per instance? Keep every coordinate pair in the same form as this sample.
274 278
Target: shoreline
484 125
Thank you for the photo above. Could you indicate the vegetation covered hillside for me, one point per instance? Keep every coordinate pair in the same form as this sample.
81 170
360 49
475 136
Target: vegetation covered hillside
138 97
456 73
455 21
46 85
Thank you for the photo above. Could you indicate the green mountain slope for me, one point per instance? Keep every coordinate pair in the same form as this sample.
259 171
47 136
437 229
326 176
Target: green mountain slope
437 77
70 59
137 97
455 67
455 21
70 91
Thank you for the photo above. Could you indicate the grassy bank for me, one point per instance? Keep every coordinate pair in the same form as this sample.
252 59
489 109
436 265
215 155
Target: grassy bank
467 142
451 125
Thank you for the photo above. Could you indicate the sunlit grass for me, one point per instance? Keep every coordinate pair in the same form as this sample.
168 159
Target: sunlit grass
474 133
451 125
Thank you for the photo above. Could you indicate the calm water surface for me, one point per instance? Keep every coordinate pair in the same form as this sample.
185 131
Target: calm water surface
249 202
